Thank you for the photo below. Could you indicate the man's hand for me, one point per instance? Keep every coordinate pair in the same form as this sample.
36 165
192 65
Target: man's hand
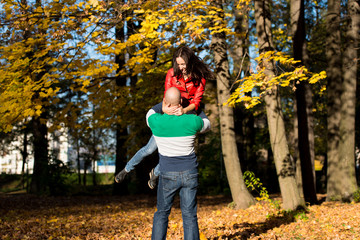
170 110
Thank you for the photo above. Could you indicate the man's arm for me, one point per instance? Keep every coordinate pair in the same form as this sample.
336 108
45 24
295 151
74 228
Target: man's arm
148 114
206 121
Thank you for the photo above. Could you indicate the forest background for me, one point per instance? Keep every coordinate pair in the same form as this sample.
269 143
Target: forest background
284 97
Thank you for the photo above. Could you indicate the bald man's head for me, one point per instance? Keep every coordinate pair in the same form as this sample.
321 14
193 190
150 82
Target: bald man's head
173 96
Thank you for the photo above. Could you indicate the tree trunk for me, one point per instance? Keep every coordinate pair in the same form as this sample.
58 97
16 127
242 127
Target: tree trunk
310 117
121 131
39 182
283 161
334 89
294 142
94 172
24 154
85 171
241 45
241 196
348 101
244 119
306 162
78 160
212 110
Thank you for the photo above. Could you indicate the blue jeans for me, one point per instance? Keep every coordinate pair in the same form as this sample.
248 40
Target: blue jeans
169 183
145 151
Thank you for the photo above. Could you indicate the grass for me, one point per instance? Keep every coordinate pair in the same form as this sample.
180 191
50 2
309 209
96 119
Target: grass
13 183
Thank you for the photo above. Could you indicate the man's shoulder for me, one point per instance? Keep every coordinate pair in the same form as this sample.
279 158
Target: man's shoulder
185 118
155 116
192 119
191 116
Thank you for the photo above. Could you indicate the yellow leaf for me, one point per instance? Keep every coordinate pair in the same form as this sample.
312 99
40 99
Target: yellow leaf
52 220
94 3
139 11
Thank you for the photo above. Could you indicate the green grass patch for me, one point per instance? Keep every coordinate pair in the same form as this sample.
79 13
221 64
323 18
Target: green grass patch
10 183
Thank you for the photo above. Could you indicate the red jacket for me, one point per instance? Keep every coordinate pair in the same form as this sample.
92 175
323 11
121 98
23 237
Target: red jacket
191 91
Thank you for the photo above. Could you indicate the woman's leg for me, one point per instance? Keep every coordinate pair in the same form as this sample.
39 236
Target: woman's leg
145 151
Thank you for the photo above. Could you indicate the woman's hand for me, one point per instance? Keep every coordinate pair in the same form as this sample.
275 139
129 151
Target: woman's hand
180 111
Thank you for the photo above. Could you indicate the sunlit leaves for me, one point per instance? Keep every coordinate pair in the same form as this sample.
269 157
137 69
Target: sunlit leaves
46 53
46 48
165 23
109 217
289 73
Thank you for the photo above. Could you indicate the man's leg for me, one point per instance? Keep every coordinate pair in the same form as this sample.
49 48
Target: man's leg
168 185
188 204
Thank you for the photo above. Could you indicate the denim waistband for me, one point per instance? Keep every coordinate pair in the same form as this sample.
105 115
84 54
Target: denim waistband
177 173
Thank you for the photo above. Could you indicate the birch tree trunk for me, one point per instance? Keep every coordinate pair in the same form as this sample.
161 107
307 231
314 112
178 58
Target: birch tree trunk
283 161
240 195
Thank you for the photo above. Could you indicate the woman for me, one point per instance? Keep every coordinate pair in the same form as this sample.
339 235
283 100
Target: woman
188 75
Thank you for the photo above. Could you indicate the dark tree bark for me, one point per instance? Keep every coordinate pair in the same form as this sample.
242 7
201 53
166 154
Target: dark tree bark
302 103
24 154
78 160
121 130
39 182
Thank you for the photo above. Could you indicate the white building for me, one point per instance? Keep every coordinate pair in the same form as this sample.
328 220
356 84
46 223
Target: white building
11 160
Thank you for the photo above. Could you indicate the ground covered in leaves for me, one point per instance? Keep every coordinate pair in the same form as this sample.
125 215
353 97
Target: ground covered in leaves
109 217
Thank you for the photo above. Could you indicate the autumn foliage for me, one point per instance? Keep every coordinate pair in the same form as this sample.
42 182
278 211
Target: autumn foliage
257 81
109 217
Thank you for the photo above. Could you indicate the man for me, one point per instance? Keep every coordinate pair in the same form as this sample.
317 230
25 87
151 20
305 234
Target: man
175 136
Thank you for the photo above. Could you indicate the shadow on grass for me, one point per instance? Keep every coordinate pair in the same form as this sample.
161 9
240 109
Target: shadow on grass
246 230
93 196
29 202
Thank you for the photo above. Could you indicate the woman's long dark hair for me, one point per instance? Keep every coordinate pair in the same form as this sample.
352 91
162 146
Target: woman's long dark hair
195 67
